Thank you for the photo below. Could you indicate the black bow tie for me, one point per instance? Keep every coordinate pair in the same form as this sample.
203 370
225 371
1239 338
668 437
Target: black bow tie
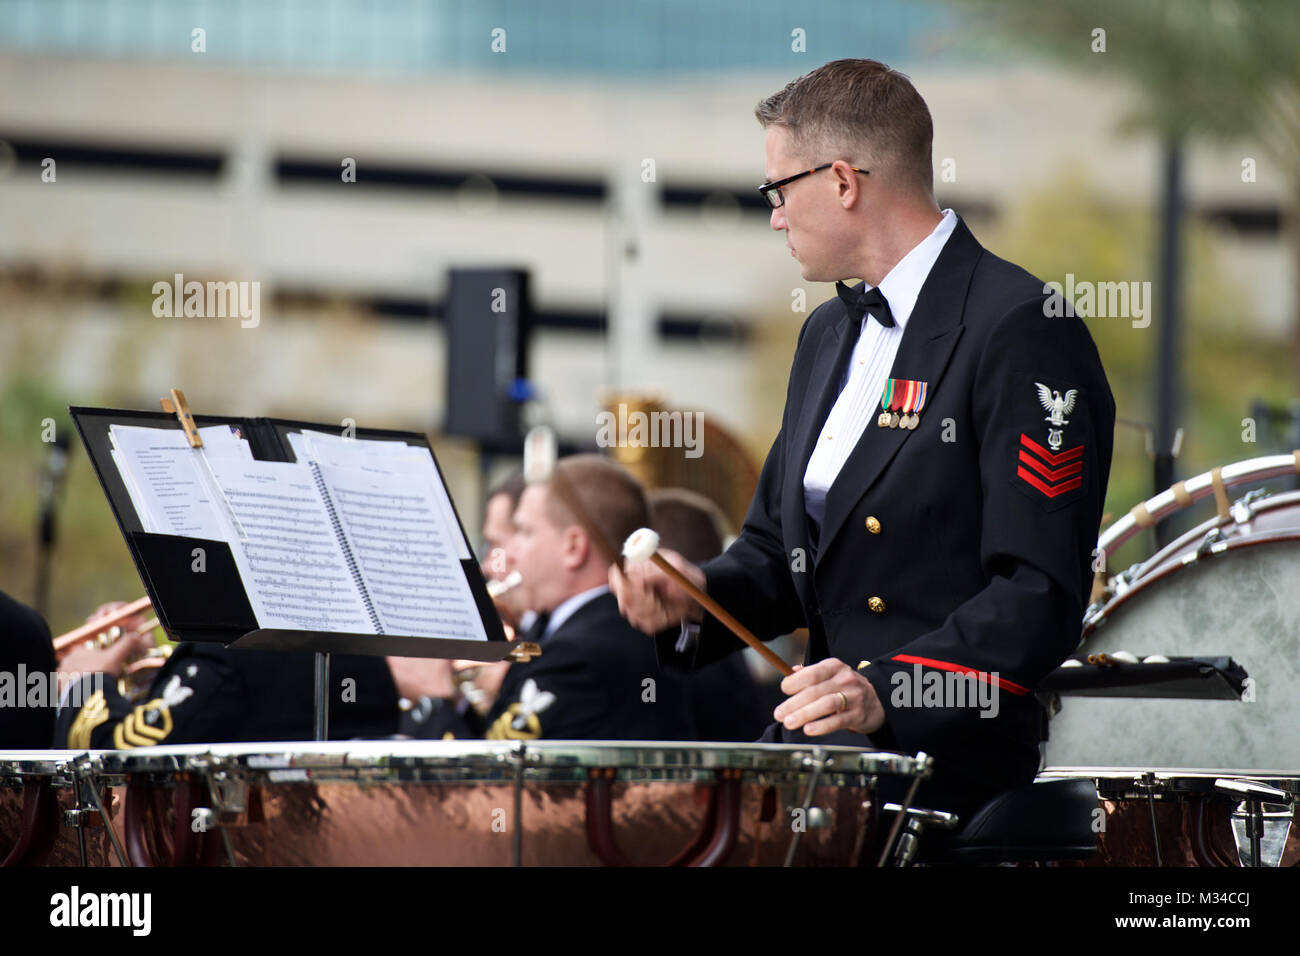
871 302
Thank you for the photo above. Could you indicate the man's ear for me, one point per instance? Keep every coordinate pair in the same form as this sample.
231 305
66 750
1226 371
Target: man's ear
848 185
575 547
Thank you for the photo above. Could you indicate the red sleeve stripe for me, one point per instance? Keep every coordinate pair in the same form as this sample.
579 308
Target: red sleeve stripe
1050 490
1000 682
1051 474
1055 460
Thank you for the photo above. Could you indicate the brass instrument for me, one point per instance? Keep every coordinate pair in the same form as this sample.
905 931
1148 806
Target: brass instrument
138 674
726 472
496 588
95 632
103 632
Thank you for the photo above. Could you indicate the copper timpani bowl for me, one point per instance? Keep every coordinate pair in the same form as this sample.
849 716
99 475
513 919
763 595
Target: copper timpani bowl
479 803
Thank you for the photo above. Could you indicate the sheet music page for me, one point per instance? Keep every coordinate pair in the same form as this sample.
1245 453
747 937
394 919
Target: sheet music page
142 512
293 568
409 563
165 478
368 454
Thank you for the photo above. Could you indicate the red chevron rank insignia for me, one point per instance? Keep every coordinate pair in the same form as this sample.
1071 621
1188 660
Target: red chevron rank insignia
1052 473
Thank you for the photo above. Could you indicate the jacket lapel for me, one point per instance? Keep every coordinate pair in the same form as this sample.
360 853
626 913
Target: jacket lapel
932 332
833 354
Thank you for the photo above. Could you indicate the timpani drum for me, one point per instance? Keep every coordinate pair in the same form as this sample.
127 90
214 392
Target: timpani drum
1229 587
1191 817
479 803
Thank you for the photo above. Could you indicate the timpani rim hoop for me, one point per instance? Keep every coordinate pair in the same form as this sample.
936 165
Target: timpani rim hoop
377 760
1166 776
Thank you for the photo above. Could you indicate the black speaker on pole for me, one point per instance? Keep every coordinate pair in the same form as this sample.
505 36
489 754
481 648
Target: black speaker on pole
488 320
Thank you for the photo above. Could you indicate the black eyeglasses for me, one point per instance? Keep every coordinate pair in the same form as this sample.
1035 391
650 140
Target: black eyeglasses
771 192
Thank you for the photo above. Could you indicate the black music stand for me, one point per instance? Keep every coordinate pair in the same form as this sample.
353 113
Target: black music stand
214 606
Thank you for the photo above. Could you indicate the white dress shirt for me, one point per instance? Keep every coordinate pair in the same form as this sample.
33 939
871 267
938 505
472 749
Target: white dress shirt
858 403
569 606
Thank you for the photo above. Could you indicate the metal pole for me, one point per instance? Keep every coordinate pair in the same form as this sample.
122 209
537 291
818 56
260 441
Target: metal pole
1168 385
320 726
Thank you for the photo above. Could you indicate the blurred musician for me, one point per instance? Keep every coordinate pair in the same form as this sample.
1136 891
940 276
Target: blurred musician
206 693
25 649
434 686
498 526
597 677
726 701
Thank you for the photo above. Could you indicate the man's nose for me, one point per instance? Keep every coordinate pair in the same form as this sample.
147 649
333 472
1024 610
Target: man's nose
778 218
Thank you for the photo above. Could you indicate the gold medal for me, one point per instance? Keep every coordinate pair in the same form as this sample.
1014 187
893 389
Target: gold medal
882 420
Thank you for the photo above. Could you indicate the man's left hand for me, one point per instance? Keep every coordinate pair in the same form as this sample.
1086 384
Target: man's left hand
816 704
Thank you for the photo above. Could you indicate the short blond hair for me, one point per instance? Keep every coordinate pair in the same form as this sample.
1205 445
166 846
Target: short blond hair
609 493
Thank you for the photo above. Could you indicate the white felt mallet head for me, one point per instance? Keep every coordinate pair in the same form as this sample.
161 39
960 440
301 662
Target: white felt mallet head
1124 657
640 545
539 455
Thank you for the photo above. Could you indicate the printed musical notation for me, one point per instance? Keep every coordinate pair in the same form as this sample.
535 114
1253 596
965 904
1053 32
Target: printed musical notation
404 552
356 536
291 561
165 481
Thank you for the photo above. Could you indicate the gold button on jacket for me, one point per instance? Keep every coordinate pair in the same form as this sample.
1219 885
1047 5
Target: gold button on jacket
873 524
876 604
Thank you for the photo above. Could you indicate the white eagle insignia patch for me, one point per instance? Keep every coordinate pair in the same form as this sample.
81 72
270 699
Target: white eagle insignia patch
1057 408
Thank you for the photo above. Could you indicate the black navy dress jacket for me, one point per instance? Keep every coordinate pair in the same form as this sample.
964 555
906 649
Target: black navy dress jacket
964 545
597 678
207 693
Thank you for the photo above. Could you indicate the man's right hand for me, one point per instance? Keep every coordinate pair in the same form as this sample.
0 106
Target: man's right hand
651 600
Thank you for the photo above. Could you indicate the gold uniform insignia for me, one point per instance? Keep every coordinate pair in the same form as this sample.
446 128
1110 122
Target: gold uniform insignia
520 720
136 730
93 713
503 727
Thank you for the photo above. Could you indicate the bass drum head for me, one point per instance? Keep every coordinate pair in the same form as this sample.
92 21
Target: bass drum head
1243 601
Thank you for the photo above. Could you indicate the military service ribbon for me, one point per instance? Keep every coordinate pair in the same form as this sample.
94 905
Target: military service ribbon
901 403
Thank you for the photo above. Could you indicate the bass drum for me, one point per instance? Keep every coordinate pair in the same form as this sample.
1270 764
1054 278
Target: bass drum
1230 587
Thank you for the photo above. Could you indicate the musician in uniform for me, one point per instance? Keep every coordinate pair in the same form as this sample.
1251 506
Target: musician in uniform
498 526
433 685
25 649
206 693
597 678
930 506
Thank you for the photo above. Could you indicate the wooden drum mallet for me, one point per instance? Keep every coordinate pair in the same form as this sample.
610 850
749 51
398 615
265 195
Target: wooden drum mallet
643 545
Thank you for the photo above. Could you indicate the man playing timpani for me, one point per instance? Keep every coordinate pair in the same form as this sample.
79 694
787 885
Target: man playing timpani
930 506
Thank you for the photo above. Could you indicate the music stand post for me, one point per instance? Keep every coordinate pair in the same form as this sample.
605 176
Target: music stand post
321 718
